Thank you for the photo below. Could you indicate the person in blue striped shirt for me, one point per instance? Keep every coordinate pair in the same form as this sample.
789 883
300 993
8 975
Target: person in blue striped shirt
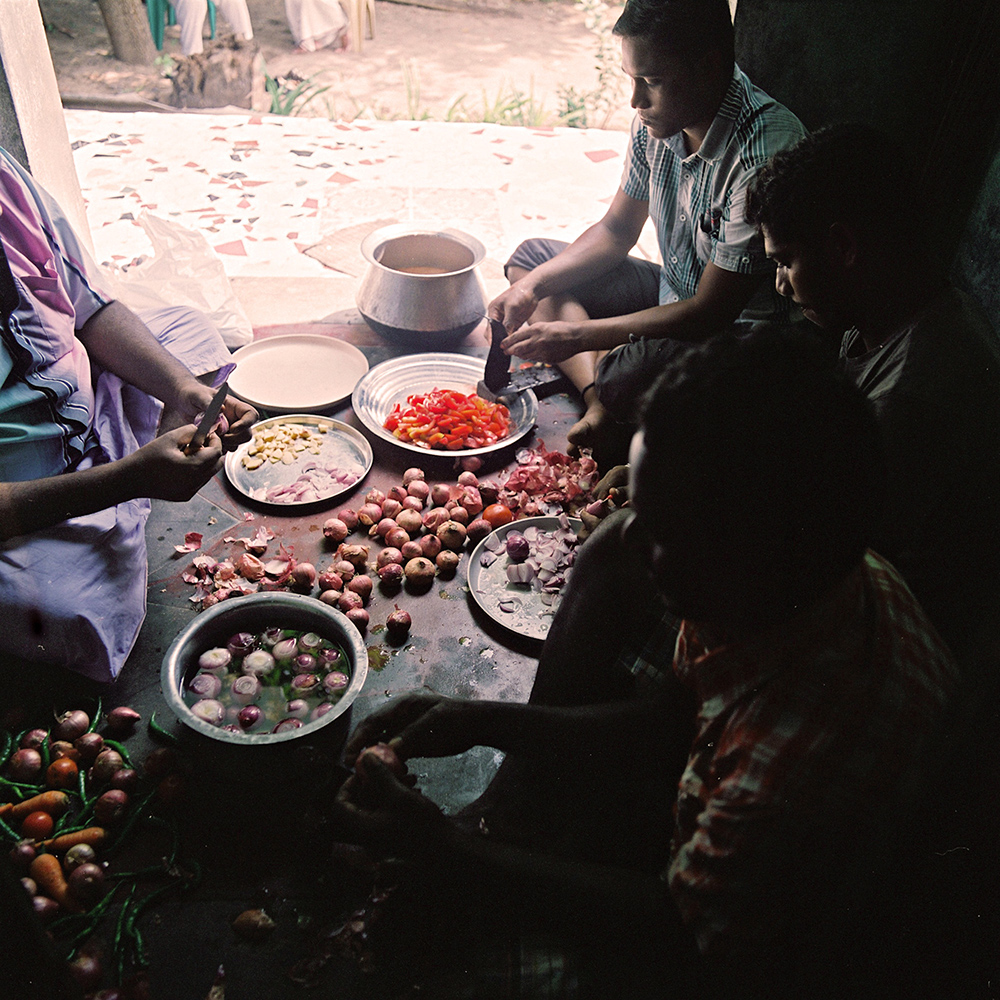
612 321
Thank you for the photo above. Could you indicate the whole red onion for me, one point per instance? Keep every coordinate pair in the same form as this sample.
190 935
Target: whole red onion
328 580
430 546
388 555
411 474
359 617
349 517
411 549
391 576
24 765
86 883
335 529
440 494
70 725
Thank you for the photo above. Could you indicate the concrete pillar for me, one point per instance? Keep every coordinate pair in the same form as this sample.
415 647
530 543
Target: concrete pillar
32 125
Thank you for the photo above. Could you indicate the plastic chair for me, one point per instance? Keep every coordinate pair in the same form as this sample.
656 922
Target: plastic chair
361 15
160 12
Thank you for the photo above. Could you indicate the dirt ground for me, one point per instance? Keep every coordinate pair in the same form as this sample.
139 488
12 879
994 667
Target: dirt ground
484 60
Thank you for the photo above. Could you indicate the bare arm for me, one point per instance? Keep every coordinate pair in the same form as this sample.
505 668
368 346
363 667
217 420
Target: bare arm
719 300
159 469
121 343
593 253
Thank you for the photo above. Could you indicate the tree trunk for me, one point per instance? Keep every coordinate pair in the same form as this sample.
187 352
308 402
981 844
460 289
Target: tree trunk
128 28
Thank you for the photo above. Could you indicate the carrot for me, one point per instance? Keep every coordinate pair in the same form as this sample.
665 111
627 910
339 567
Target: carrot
92 835
55 803
47 872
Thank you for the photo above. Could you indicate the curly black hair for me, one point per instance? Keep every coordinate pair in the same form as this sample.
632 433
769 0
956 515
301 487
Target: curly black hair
766 460
685 28
848 172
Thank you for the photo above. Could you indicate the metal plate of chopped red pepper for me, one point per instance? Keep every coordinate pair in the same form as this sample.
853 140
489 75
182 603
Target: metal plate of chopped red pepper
438 387
448 420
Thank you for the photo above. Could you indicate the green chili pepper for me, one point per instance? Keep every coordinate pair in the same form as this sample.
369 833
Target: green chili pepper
6 748
96 720
46 753
23 789
9 833
158 732
131 821
116 940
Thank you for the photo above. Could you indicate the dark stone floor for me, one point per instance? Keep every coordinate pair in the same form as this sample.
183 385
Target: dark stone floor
261 838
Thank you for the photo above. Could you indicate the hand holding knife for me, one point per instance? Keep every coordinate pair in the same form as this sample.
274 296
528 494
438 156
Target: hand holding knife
208 420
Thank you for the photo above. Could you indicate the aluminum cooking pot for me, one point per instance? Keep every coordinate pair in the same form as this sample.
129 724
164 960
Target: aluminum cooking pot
422 287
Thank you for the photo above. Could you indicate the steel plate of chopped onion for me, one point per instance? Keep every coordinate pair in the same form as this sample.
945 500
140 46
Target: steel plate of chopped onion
299 459
519 593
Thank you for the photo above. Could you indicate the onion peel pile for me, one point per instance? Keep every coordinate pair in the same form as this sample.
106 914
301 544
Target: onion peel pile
547 482
448 420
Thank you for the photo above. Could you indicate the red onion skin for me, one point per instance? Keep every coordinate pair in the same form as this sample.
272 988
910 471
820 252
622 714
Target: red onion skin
33 739
413 548
344 569
359 617
45 908
24 765
362 585
392 506
304 576
460 514
478 530
328 580
70 726
430 546
349 517
419 572
397 538
349 601
447 562
388 555
398 624
411 521
86 883
125 779
452 535
335 529
369 514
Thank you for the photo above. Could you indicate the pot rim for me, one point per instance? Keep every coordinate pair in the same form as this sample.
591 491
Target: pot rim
384 234
173 666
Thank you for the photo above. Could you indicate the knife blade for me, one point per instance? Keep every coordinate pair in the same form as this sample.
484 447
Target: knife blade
208 420
499 382
497 373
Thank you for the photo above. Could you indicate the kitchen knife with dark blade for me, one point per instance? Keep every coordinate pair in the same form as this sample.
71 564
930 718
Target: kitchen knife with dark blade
500 382
208 420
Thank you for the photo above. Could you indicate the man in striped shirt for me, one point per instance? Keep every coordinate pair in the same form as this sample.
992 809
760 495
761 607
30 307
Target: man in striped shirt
701 131
804 692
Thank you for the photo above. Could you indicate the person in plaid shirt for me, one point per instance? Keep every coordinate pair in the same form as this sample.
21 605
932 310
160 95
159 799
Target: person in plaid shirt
700 133
804 688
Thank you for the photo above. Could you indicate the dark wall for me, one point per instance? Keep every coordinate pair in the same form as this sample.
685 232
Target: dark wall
925 70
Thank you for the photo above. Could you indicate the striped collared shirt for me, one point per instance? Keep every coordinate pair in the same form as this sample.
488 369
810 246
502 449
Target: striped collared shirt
698 202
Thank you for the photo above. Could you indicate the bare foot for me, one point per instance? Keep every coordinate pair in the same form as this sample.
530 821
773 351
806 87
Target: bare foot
587 431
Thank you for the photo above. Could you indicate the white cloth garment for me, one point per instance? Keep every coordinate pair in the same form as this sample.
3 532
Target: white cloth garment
315 24
191 15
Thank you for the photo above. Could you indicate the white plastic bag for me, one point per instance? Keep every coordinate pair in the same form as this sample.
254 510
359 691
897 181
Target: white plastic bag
183 271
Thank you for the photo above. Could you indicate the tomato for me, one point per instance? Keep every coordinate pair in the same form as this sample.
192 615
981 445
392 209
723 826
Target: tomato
61 773
37 825
497 515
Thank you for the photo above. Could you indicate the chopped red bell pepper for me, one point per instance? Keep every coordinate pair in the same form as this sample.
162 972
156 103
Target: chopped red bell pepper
448 420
